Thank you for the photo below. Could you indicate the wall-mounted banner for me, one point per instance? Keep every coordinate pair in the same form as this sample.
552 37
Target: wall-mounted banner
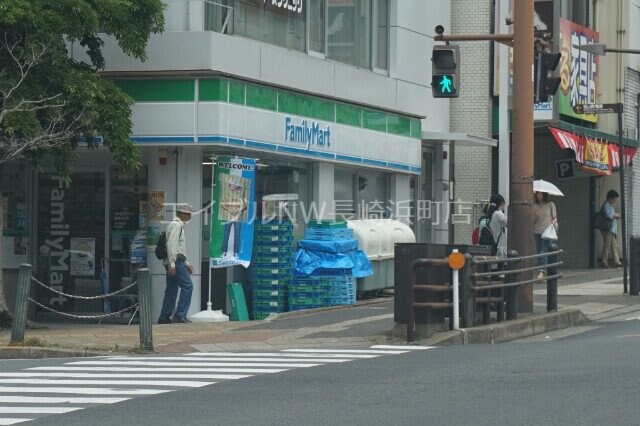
599 157
233 212
596 157
614 155
579 70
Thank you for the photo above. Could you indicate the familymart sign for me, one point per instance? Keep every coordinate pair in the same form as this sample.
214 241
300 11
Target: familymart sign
292 5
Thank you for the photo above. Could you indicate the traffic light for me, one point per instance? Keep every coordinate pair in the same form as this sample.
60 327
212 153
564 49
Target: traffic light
445 80
545 84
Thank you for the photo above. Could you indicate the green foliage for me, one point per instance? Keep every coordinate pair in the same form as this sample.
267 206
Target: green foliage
56 95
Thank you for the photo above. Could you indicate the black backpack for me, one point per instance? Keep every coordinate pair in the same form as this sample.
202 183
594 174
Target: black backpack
486 236
161 247
601 222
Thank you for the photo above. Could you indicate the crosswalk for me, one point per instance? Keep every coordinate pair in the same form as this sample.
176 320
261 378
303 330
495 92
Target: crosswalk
49 390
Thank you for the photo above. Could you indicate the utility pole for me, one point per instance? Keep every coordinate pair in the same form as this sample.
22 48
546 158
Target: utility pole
520 209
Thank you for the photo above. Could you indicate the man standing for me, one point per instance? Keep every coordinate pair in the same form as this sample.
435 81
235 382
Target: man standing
178 270
610 236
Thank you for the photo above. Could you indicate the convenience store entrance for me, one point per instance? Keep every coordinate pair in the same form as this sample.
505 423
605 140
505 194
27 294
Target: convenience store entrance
82 226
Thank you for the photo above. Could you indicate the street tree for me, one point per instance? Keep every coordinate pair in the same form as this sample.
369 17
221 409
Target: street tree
51 102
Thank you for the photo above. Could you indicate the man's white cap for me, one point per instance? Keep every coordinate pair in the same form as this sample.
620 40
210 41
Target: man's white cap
184 208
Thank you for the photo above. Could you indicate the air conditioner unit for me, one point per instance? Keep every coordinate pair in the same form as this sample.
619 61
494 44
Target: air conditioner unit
631 132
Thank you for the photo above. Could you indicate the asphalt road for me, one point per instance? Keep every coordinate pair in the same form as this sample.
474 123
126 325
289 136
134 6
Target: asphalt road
585 375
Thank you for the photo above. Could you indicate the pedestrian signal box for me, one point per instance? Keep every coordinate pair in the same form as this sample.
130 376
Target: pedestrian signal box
445 80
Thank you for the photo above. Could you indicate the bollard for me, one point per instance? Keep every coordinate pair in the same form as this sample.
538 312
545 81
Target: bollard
22 304
552 284
144 301
466 292
634 263
512 292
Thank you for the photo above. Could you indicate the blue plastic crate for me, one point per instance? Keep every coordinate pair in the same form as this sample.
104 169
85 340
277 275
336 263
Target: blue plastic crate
272 250
303 295
269 306
293 308
321 272
268 272
273 224
269 283
261 261
337 301
268 293
328 234
263 239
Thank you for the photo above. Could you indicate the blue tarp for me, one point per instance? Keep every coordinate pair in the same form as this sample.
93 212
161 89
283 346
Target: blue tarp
342 254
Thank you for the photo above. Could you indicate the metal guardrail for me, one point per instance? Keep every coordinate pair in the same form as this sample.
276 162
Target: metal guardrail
485 281
143 284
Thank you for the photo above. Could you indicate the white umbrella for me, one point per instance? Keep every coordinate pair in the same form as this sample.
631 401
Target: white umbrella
544 186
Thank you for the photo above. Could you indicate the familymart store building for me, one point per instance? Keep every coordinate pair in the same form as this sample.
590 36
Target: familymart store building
342 160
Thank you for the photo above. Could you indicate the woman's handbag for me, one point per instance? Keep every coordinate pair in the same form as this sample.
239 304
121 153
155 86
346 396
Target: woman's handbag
550 233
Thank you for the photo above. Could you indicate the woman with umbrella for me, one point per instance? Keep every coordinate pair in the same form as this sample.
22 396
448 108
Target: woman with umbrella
544 216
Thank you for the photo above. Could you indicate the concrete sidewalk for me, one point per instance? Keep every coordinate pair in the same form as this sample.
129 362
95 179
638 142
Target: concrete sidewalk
596 293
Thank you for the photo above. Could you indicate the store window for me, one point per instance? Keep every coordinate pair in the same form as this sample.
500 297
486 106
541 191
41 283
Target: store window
349 32
360 194
283 25
13 181
381 31
354 32
317 9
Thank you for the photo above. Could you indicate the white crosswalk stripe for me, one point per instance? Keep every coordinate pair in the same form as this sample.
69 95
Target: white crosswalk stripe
59 389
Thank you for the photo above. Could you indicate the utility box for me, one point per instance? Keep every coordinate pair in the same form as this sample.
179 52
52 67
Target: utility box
431 321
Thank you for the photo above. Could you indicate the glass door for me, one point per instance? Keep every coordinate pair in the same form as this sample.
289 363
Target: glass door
71 239
127 229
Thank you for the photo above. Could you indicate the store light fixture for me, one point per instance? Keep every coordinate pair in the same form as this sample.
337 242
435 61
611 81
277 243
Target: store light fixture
163 153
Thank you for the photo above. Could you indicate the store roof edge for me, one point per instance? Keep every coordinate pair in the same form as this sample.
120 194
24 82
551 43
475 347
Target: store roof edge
459 137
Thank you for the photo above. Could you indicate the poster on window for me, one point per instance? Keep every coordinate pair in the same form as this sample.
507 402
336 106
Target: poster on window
596 157
233 212
82 257
156 206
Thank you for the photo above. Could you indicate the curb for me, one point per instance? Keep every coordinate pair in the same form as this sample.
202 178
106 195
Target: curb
301 313
509 330
35 352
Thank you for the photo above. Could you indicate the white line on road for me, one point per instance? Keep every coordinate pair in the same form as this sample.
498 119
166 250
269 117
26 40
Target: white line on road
405 348
166 369
131 375
25 409
4 399
279 354
194 364
83 391
171 383
10 421
346 351
230 359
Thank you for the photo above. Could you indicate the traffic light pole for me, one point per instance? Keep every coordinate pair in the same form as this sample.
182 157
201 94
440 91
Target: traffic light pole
521 206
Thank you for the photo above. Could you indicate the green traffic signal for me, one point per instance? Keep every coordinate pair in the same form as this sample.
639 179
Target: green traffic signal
443 85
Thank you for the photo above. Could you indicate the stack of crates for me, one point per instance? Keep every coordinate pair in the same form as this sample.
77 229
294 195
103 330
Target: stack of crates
271 267
328 231
336 286
307 292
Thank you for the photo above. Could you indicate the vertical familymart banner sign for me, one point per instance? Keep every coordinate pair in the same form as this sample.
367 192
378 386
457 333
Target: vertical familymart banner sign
233 212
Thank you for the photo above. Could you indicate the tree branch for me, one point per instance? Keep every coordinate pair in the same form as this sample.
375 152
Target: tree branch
55 135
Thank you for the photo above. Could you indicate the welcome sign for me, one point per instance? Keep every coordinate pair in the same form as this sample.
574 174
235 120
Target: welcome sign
233 212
